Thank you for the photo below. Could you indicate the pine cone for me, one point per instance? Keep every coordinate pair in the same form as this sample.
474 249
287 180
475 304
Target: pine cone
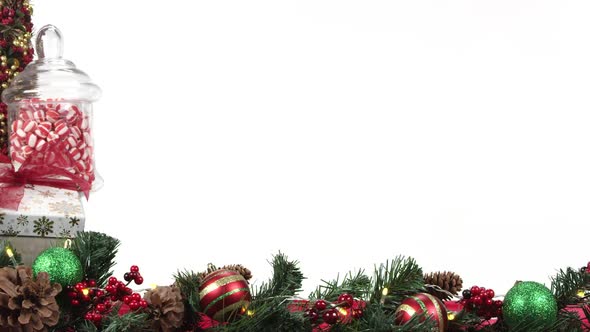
445 281
167 308
27 304
244 271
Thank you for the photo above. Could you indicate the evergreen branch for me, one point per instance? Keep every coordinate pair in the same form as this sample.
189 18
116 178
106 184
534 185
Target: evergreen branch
464 318
565 286
377 319
131 322
401 277
269 317
85 326
189 283
286 280
357 285
268 310
97 253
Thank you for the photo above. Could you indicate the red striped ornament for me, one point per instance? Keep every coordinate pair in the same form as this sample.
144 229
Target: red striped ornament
420 303
224 294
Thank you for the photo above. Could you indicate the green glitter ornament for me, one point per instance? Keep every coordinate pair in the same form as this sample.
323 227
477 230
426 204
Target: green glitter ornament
62 265
529 302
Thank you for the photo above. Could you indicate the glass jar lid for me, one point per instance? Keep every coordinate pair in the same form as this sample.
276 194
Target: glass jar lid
51 76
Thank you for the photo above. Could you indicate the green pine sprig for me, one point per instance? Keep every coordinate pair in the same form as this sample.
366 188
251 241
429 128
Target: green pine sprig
395 280
96 252
566 284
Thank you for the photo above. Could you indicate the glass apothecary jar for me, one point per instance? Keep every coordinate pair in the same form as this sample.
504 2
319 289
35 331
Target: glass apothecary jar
50 116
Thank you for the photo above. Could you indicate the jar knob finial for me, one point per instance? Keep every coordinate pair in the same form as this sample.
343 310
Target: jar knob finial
49 43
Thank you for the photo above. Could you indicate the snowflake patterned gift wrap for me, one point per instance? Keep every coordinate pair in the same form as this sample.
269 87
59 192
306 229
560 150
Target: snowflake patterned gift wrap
44 212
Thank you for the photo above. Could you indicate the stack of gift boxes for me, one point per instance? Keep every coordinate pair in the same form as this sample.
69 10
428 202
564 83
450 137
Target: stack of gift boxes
49 168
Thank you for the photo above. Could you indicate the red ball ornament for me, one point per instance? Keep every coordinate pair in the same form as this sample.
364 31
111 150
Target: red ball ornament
420 303
224 294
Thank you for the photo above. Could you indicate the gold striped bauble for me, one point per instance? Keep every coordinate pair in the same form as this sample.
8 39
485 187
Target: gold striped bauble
224 294
422 303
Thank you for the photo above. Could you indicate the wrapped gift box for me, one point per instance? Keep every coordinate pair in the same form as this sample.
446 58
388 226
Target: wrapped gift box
44 212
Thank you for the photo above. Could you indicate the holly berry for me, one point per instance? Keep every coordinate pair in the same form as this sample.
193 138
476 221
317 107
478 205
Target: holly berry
113 281
477 300
110 288
127 277
320 305
475 290
134 305
139 280
134 268
312 314
357 313
346 300
490 293
79 287
330 316
467 294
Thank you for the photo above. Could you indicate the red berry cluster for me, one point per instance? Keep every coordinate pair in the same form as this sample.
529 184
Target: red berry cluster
99 302
83 292
343 310
133 275
119 291
481 301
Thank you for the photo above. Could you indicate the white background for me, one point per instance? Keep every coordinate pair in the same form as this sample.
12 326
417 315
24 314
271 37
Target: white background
341 132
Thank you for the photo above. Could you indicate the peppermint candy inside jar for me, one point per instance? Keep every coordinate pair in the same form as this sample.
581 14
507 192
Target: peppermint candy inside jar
50 114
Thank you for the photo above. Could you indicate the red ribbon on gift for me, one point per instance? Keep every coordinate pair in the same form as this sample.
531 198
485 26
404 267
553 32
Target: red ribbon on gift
12 184
579 310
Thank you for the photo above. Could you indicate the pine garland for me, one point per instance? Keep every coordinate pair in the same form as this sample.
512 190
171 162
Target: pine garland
271 307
